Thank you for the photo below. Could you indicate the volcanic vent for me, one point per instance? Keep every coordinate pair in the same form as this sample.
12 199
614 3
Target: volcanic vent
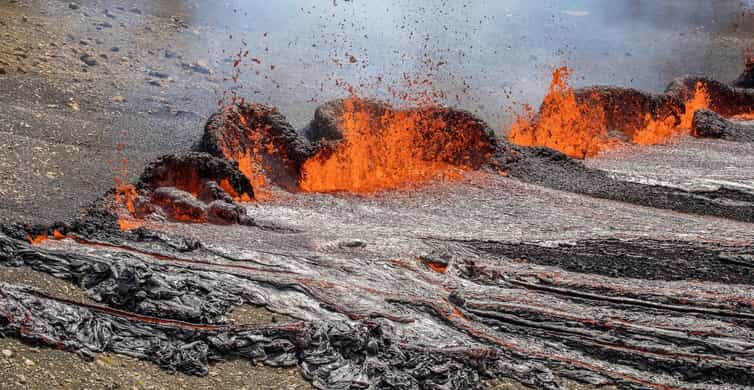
582 122
352 145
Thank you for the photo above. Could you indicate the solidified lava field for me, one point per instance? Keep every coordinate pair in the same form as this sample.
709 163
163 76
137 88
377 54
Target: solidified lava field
417 249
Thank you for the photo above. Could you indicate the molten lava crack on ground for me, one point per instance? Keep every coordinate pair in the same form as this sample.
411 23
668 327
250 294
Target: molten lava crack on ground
476 275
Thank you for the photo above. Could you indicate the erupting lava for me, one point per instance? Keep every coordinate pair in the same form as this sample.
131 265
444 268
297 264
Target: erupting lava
125 195
563 124
699 101
384 148
579 127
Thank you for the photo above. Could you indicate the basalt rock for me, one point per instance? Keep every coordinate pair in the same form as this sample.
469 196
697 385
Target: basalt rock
221 212
709 124
180 205
628 110
196 173
260 138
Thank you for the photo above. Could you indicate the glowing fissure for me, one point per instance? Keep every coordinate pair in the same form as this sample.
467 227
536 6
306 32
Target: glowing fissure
579 128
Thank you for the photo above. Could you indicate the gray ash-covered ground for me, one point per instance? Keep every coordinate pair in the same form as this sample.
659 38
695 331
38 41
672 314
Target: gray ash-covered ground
629 270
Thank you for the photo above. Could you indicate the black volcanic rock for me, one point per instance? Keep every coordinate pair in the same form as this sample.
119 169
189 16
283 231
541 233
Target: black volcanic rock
257 130
708 124
192 171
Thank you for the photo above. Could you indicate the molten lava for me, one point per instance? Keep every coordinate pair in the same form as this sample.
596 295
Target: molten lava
40 238
579 127
258 149
699 101
383 148
563 124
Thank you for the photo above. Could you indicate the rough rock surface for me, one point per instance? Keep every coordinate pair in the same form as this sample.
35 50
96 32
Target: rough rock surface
192 172
626 109
257 134
707 123
725 100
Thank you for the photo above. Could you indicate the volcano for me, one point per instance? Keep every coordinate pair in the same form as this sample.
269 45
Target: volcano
416 249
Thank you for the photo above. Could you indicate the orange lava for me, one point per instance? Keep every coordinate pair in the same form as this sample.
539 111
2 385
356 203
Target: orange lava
564 124
125 202
260 154
56 234
699 101
40 238
579 128
227 187
383 149
437 267
657 131
251 165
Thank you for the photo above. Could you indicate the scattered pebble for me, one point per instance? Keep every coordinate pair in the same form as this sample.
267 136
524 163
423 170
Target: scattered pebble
87 59
73 6
7 353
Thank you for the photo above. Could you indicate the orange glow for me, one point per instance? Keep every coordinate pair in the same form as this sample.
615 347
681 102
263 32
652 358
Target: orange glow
251 165
227 187
38 239
437 267
56 234
657 131
563 124
254 149
699 101
384 148
126 223
125 202
744 117
579 128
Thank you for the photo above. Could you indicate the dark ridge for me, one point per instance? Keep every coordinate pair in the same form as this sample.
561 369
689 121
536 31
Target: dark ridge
709 124
550 168
257 130
641 259
475 139
626 109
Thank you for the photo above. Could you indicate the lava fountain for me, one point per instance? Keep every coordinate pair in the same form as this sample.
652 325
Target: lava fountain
386 148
